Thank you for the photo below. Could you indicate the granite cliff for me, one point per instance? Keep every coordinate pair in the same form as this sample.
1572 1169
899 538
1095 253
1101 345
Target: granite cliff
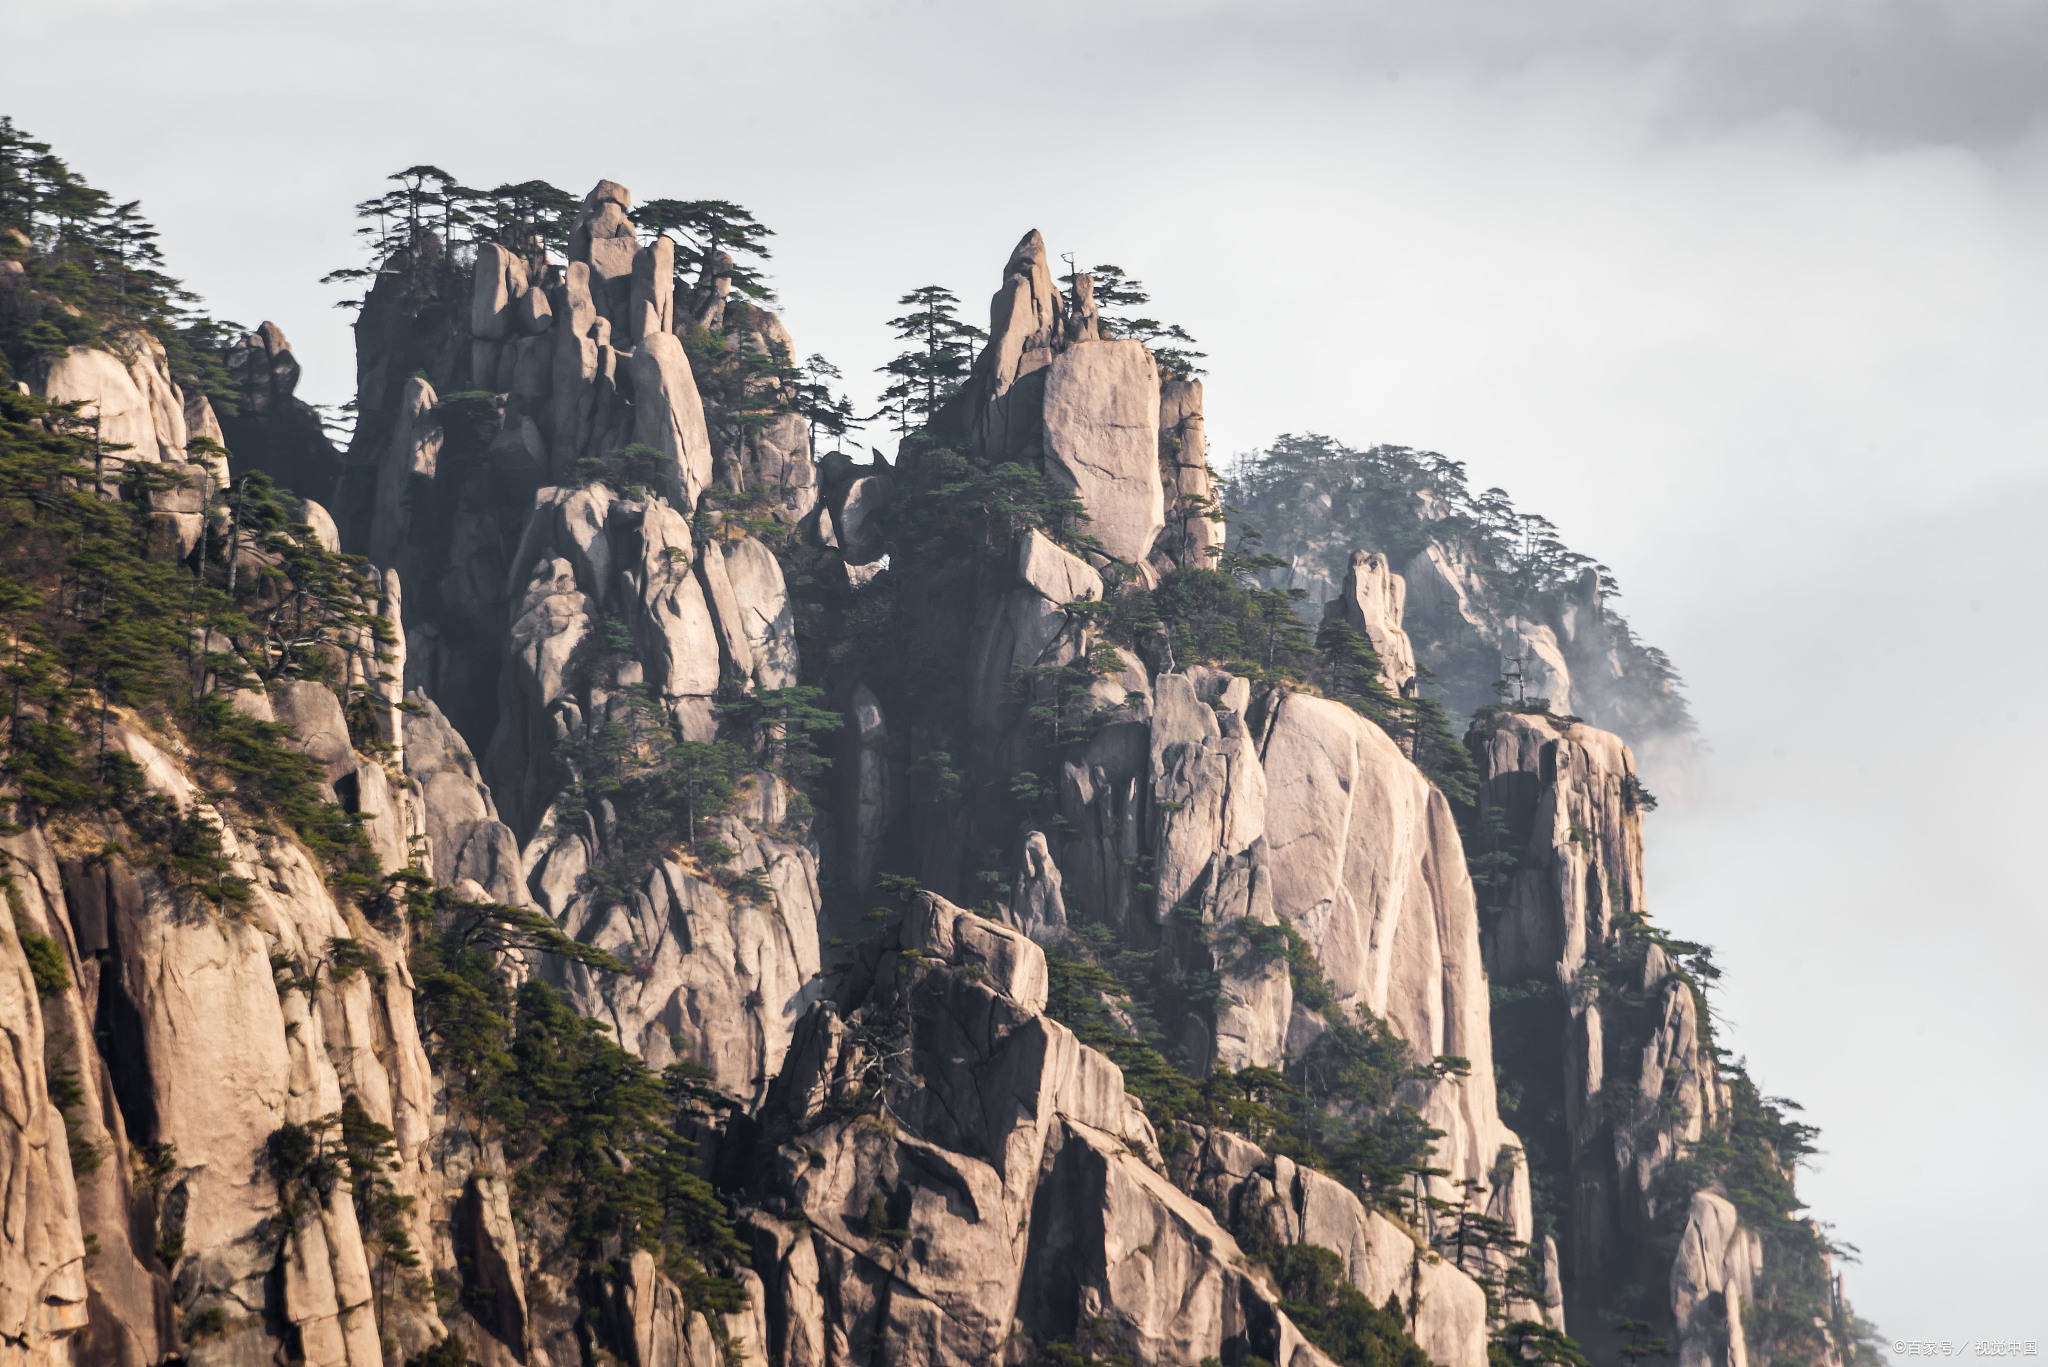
605 881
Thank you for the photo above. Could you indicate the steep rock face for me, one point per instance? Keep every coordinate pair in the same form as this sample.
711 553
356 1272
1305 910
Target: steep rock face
1194 525
1102 437
1448 595
132 404
1275 1199
1085 409
717 977
272 429
967 1171
178 1065
1621 1041
465 838
189 1045
1198 813
1373 602
564 565
43 1294
138 415
560 366
930 1169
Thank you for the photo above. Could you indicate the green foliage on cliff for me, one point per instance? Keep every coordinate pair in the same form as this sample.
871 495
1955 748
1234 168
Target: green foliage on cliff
1118 297
938 353
45 956
88 267
590 1133
714 235
1317 500
1225 617
533 219
1335 1107
95 617
650 794
1336 1316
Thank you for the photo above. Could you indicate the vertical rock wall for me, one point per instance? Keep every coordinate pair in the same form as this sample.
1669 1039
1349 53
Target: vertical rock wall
1631 1081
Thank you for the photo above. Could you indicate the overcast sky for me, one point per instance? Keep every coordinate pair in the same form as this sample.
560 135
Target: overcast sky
1749 296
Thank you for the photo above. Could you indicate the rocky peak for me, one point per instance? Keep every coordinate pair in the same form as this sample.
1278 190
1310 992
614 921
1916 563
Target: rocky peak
1212 1071
1372 602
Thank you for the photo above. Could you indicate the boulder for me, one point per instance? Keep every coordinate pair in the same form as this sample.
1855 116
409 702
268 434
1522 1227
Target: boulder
500 279
322 522
603 235
319 729
125 425
856 516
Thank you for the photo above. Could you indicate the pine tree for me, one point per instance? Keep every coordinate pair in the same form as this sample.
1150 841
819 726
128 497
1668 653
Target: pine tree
1117 296
705 229
941 352
528 218
812 395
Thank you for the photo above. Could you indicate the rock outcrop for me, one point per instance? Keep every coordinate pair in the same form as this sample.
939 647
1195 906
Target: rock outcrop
584 741
955 1169
1607 1023
1373 603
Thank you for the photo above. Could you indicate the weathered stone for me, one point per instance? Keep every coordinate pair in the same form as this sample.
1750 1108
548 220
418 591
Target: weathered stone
488 1245
672 624
651 307
465 838
128 404
1026 627
319 728
1102 437
856 517
1194 529
667 412
737 655
1371 603
868 787
779 459
532 315
322 522
1024 315
1036 905
500 280
408 467
42 1253
762 602
718 980
603 235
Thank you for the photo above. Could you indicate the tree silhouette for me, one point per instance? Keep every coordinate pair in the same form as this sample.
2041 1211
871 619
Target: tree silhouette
941 351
